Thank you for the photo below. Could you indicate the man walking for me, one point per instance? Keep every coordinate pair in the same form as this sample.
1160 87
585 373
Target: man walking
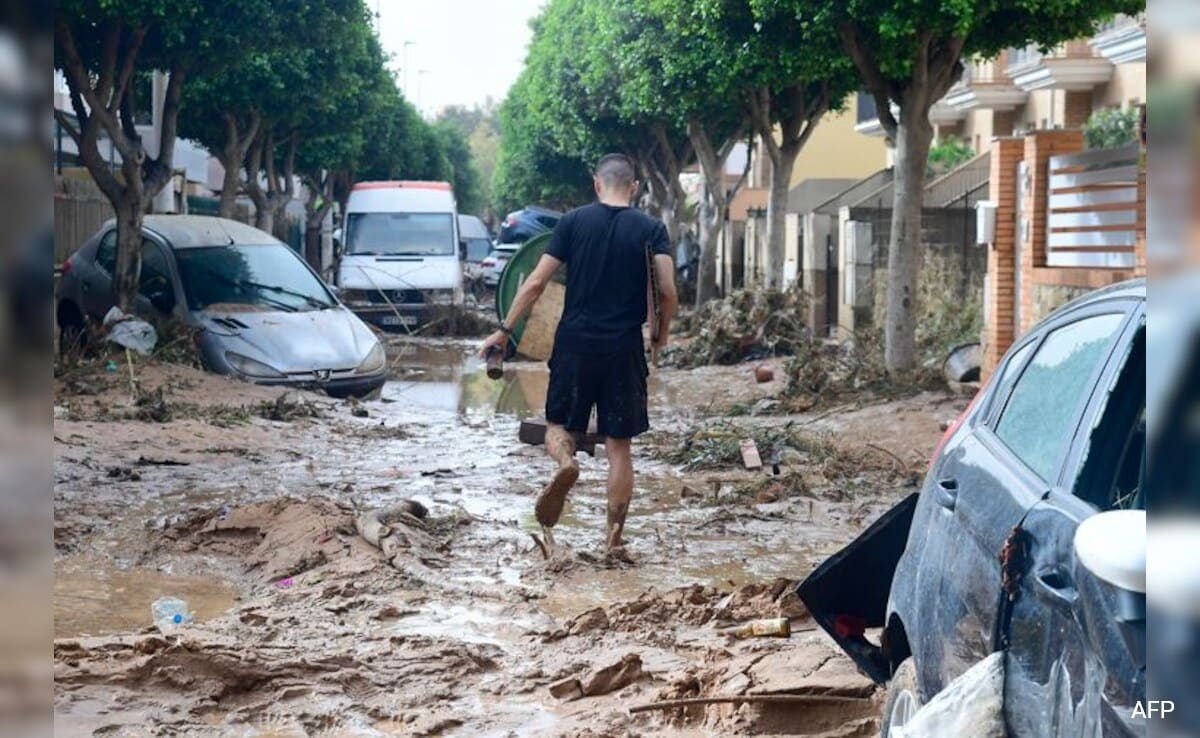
599 357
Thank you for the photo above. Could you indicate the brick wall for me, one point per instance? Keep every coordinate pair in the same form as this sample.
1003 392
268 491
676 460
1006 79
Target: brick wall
999 299
1039 147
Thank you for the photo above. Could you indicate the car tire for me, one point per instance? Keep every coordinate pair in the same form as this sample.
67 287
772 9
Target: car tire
72 331
903 699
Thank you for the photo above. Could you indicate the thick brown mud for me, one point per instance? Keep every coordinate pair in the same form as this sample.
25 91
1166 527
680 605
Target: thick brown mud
458 625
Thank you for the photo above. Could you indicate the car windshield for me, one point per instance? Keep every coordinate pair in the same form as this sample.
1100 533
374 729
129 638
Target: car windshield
402 234
478 249
268 276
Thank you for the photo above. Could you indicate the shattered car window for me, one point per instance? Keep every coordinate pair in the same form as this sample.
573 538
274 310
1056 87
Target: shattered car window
1039 420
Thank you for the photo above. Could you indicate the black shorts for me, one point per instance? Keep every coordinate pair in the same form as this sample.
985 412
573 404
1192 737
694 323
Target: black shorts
614 383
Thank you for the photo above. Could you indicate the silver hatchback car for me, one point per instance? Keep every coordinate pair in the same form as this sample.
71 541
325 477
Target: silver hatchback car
261 313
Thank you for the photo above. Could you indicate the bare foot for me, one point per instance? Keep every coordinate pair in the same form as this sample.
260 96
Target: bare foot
550 503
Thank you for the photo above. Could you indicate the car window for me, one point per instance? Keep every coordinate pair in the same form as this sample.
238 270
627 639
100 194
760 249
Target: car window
155 275
1012 370
1040 417
106 254
548 220
269 277
1114 450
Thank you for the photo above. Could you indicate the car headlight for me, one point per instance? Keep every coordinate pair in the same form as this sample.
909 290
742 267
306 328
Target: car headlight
375 360
252 368
440 297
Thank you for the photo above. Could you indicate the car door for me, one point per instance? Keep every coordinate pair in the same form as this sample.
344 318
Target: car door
157 293
1069 672
947 584
96 283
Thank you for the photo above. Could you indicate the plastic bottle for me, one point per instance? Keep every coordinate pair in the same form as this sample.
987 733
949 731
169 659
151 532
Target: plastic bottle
170 614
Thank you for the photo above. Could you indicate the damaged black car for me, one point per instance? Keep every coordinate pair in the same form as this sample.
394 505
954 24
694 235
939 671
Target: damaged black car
986 558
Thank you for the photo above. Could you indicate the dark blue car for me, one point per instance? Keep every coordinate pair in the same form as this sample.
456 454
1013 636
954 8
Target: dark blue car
984 557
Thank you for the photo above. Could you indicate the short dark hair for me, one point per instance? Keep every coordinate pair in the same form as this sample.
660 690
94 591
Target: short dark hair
616 170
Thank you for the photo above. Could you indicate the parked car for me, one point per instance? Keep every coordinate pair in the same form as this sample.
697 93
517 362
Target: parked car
476 244
522 225
493 266
985 558
261 312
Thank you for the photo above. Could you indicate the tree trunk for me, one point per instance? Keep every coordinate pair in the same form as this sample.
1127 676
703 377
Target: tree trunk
711 219
312 247
231 181
129 250
777 199
712 206
913 138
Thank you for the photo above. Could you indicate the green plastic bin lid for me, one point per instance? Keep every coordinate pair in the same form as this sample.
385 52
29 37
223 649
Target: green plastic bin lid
518 268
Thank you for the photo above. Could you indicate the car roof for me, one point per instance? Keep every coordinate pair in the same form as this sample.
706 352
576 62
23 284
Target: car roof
536 210
193 231
1129 289
472 226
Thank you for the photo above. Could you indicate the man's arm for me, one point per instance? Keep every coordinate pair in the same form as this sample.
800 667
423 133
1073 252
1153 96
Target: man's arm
527 295
668 298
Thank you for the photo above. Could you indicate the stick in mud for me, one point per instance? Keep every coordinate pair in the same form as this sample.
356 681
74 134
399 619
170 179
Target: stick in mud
745 698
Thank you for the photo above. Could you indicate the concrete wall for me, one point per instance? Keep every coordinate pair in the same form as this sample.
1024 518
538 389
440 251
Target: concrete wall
952 268
836 150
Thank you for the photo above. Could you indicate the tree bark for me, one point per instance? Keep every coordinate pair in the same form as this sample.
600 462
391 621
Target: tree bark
796 116
129 252
319 189
914 136
777 202
712 207
233 158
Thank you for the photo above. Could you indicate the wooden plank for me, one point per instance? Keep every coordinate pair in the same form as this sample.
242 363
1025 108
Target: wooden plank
1131 152
1114 175
1122 196
537 341
1105 239
1093 259
1085 219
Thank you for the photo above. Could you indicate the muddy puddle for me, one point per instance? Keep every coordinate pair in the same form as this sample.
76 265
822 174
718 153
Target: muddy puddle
94 597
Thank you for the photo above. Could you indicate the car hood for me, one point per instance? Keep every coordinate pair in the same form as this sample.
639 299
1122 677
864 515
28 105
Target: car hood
292 342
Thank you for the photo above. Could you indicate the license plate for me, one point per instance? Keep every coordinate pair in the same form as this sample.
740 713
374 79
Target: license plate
398 320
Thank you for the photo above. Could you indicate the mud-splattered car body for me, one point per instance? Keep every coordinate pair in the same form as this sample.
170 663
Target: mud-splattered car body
259 311
983 558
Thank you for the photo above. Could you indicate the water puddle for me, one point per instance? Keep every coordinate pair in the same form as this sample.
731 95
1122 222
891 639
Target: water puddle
95 597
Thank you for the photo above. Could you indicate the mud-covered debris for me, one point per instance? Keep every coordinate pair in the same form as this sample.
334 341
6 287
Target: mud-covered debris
567 689
287 407
719 445
822 372
592 620
747 323
613 677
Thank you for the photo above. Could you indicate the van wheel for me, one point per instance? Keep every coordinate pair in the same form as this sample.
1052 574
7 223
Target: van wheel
903 699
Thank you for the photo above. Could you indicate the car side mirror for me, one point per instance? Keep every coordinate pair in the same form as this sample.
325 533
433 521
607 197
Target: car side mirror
1112 547
462 250
163 301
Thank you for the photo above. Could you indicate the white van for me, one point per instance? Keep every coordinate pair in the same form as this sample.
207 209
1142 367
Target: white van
400 259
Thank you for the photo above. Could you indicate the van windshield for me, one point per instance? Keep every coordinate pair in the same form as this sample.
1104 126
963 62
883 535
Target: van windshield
411 234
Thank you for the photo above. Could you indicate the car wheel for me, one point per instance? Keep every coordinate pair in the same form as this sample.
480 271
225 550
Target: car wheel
72 332
903 699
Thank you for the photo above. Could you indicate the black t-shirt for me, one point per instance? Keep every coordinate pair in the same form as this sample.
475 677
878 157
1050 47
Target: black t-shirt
604 248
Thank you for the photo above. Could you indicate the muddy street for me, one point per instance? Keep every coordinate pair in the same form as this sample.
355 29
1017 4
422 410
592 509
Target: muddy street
315 615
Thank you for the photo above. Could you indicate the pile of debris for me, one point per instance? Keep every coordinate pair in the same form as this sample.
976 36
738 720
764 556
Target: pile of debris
821 371
719 445
746 324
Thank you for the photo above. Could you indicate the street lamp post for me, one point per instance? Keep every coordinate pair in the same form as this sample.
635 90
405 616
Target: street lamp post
404 63
420 73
